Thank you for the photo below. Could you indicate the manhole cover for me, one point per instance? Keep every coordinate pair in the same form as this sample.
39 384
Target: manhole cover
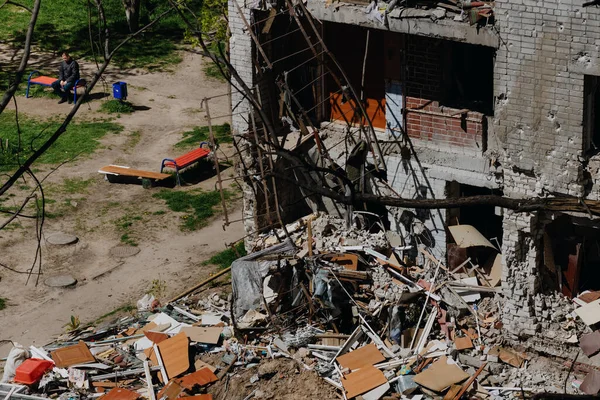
60 281
62 239
124 251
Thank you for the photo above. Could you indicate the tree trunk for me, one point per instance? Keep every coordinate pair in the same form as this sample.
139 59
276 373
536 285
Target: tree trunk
132 12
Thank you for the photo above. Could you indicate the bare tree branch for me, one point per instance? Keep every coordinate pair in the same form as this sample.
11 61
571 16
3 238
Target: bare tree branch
24 59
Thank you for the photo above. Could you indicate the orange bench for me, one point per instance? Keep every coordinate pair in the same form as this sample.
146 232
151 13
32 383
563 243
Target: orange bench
186 160
48 81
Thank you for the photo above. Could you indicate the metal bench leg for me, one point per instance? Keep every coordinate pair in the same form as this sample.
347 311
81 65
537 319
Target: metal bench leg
29 83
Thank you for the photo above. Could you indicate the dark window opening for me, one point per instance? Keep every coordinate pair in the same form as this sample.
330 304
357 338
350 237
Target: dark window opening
591 117
348 44
571 256
486 219
469 77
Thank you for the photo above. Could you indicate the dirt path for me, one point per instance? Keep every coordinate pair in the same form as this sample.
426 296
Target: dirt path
169 104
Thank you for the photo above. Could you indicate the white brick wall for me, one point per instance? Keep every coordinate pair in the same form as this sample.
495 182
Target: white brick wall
540 118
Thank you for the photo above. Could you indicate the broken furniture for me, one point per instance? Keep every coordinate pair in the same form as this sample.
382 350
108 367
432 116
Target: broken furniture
112 171
192 157
48 81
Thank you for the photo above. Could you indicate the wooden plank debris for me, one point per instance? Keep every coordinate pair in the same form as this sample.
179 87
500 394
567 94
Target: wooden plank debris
72 355
362 381
175 355
361 357
135 173
120 394
440 375
198 378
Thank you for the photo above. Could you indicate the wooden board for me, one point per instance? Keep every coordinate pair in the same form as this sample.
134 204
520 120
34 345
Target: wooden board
199 378
136 173
71 355
361 357
156 337
362 381
120 394
440 375
199 334
175 355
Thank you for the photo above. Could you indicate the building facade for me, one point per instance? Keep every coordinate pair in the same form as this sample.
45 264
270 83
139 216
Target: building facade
464 100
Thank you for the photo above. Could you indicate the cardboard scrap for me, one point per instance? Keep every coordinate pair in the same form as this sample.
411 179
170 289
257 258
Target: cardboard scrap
199 364
591 383
495 274
362 381
590 343
590 313
440 375
462 343
199 334
511 357
71 355
198 378
468 236
120 394
588 297
361 357
175 355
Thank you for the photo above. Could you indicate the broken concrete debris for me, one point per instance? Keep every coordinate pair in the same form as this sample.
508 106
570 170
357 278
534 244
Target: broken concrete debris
370 323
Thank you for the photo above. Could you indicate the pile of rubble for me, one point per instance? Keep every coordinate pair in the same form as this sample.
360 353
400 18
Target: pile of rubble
321 309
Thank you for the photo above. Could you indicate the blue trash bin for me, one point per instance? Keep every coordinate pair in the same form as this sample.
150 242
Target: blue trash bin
120 90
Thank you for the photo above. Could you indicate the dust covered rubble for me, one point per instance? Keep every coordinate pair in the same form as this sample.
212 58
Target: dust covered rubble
340 313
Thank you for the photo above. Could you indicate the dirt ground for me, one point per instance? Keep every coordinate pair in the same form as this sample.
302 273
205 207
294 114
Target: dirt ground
281 379
168 103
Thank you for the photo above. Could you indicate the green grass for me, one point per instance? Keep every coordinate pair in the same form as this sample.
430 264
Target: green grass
224 259
2 303
76 185
116 107
63 24
125 224
197 205
200 134
212 71
79 139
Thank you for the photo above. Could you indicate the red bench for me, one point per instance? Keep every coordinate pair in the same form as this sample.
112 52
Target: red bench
48 81
186 160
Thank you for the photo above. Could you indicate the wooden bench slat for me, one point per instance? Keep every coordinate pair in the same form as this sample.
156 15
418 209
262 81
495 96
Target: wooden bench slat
138 173
188 158
43 80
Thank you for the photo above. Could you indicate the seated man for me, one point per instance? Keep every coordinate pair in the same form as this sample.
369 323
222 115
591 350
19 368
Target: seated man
68 73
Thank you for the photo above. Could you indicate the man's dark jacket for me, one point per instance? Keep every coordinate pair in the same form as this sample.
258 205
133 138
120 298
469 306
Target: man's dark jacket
68 71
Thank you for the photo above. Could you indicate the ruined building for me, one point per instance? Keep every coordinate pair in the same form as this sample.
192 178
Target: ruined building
464 98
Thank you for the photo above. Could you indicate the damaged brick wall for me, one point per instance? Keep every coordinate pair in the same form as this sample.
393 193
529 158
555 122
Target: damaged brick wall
240 53
428 118
539 78
521 255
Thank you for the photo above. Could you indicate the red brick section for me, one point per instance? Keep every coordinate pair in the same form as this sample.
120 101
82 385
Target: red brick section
424 84
457 130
